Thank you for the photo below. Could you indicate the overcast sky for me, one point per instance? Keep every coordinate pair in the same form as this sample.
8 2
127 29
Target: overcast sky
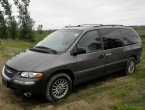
59 13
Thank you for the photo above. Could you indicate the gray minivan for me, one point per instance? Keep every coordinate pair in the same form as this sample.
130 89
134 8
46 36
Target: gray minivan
70 56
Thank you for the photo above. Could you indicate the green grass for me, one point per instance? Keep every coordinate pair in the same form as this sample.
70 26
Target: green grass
141 31
126 107
111 93
15 44
39 36
9 47
23 44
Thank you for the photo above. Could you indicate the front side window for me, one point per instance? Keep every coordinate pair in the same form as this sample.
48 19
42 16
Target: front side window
90 41
112 38
60 40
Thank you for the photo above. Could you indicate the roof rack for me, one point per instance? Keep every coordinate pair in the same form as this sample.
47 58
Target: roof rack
92 25
112 25
73 26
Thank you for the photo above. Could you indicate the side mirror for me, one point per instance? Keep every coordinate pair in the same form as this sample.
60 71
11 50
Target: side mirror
78 51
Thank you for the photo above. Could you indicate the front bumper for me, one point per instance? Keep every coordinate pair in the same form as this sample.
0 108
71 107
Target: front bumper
34 86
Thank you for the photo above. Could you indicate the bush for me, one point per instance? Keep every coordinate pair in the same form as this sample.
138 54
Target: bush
142 35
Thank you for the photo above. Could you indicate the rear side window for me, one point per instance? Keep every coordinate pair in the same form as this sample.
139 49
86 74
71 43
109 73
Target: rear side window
112 38
130 37
90 41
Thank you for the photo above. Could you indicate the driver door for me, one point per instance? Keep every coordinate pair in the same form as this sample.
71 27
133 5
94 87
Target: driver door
90 64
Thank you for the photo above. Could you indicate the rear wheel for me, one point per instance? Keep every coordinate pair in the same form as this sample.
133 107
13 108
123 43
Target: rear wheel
58 87
131 66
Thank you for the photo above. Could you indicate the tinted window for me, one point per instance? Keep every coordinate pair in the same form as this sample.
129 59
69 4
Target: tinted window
112 38
130 36
90 41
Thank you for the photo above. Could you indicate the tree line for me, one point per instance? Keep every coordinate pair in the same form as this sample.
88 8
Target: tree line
16 27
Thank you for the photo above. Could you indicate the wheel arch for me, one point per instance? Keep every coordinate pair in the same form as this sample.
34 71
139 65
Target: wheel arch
135 57
57 74
66 71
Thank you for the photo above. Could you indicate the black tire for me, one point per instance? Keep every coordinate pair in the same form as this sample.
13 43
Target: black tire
131 66
53 87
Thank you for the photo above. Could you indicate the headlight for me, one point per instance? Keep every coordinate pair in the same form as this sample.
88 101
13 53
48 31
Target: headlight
31 75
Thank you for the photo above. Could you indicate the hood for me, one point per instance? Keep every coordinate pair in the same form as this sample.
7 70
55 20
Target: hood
27 61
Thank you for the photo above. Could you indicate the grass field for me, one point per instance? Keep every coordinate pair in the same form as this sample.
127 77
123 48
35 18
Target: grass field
110 93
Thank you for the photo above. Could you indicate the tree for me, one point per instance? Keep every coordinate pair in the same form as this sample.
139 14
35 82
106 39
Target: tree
9 27
3 27
26 23
13 29
7 8
10 20
39 29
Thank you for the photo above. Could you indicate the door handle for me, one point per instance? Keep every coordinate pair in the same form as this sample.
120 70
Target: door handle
108 54
101 56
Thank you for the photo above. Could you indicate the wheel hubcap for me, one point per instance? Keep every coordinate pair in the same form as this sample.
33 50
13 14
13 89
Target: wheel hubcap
60 88
131 67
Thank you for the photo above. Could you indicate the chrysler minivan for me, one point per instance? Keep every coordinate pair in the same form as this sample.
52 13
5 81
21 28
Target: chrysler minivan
70 56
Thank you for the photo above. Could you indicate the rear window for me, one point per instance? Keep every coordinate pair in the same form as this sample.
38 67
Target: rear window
112 38
130 37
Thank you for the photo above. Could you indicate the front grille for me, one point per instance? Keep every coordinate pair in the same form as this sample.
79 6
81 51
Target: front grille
10 72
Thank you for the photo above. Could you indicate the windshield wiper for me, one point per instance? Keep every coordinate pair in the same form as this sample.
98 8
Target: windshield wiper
43 47
39 50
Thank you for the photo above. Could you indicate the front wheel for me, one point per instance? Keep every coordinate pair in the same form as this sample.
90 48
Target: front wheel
59 86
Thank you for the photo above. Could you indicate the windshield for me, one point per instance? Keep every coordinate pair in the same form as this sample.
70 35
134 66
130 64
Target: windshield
59 40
